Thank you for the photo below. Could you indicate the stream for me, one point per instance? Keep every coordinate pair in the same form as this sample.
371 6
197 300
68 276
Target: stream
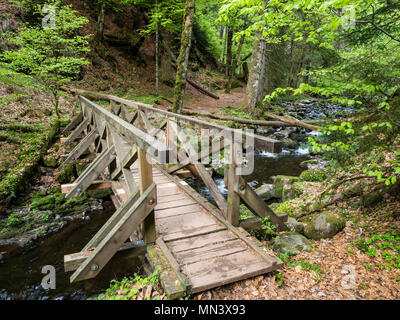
20 270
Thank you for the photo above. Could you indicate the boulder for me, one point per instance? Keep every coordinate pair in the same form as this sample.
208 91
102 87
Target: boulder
291 243
324 226
311 175
280 181
290 192
67 174
266 192
50 162
294 225
291 144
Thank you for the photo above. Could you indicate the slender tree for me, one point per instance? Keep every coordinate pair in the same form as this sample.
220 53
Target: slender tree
183 59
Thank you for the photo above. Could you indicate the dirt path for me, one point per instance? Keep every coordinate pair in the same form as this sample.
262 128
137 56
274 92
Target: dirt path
201 103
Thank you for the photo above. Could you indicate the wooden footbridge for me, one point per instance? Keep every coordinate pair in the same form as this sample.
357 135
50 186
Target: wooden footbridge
193 244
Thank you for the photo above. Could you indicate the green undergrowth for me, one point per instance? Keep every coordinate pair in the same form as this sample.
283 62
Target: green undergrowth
384 244
32 147
305 265
132 288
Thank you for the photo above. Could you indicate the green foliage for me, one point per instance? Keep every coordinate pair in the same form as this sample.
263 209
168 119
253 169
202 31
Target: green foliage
52 54
386 244
128 288
313 175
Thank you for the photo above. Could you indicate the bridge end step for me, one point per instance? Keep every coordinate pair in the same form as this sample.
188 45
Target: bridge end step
173 282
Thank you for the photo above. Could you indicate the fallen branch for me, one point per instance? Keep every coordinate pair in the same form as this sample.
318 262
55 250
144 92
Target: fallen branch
292 121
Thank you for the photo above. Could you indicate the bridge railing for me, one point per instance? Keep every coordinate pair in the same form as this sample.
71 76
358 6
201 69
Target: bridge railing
194 142
127 134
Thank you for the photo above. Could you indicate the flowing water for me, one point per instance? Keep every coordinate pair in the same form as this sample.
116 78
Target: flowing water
20 271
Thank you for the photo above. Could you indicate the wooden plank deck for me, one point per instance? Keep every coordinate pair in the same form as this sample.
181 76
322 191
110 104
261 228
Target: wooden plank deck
209 252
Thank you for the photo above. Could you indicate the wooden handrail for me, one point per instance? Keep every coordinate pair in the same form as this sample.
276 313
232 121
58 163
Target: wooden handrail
260 142
156 149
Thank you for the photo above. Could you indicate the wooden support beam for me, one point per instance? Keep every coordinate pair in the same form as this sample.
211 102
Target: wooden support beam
146 179
81 147
257 205
233 210
92 172
100 184
213 150
74 260
75 121
117 236
75 134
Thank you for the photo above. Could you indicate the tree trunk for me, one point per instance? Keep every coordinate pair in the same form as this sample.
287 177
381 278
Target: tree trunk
235 63
183 59
100 24
255 84
157 53
228 52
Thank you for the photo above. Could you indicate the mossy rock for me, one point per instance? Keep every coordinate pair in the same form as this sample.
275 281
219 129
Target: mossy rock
323 226
75 204
313 175
291 144
48 202
266 192
281 181
291 191
371 199
291 243
99 193
306 163
50 162
67 174
294 225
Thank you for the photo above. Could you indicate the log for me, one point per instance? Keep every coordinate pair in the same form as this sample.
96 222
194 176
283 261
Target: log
292 121
261 123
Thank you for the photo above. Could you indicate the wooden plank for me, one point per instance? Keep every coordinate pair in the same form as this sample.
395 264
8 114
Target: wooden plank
257 205
217 214
175 204
99 184
82 147
117 236
170 212
202 241
111 222
212 187
202 230
210 252
185 223
74 260
173 197
223 270
75 134
92 172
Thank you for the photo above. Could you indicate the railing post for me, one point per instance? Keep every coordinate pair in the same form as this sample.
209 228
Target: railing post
146 179
233 210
